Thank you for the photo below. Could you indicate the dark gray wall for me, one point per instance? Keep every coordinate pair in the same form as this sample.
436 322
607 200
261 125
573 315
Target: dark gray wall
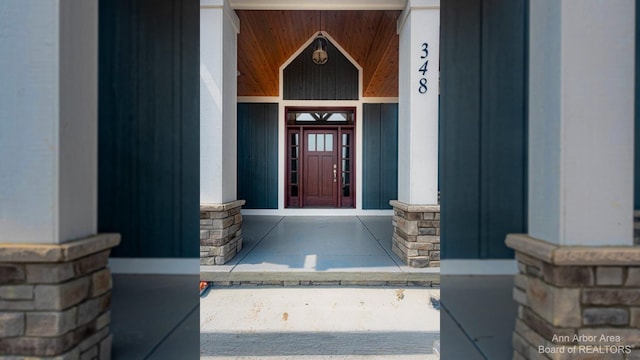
335 80
379 155
483 126
258 155
149 126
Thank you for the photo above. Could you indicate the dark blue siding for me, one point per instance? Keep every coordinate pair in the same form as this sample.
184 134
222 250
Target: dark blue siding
258 155
483 126
379 155
335 80
149 126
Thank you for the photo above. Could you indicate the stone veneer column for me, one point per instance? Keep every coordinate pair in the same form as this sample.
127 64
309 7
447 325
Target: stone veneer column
220 219
416 234
220 232
55 299
571 296
578 282
416 221
55 288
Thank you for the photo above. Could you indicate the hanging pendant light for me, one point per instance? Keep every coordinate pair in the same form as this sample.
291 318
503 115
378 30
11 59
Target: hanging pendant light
320 55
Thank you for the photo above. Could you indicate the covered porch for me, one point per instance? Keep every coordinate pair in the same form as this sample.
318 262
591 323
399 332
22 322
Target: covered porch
325 250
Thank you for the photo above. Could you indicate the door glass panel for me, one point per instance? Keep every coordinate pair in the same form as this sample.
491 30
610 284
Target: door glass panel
294 178
345 139
312 142
345 191
329 142
320 140
294 190
294 152
345 178
345 165
294 165
294 139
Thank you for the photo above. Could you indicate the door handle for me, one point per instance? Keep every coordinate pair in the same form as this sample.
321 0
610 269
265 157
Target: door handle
334 175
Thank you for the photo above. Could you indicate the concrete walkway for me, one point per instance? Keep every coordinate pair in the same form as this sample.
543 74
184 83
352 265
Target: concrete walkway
319 323
157 317
318 249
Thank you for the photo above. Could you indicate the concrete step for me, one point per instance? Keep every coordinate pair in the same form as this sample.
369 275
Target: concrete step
344 278
310 323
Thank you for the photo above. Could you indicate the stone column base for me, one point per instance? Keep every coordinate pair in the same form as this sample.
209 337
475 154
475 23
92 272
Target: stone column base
416 234
220 232
581 302
55 299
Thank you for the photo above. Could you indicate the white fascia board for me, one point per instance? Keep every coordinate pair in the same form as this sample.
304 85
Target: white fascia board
211 3
228 10
317 5
414 5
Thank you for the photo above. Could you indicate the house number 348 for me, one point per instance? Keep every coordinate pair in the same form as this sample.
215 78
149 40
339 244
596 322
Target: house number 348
422 88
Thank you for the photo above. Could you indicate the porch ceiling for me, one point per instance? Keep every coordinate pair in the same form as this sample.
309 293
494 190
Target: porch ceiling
268 38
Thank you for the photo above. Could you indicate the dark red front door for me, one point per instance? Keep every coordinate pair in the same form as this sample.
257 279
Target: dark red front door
321 168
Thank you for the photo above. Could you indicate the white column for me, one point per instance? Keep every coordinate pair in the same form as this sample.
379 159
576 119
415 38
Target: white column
419 30
219 26
581 118
48 120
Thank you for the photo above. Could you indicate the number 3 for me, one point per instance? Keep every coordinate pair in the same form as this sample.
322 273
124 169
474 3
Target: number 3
426 52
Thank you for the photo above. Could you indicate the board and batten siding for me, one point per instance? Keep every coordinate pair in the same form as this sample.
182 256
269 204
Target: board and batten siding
379 155
149 126
483 127
337 79
258 155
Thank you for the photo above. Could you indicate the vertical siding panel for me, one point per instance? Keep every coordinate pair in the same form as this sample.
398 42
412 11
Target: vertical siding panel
258 155
389 155
335 80
371 156
190 130
483 127
380 155
149 126
503 136
460 128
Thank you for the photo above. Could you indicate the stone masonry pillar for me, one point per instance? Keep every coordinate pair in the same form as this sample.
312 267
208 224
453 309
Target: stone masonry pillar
417 205
219 26
578 286
55 287
220 232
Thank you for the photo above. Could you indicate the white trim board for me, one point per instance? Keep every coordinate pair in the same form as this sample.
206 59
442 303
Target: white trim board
316 212
158 266
318 5
479 267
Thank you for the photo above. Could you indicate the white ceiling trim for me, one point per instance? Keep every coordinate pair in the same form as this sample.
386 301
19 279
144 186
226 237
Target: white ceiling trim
318 5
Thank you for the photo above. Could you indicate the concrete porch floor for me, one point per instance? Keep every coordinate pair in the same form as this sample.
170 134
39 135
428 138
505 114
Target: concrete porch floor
354 248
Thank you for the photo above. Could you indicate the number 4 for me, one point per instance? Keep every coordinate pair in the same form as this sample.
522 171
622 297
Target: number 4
423 68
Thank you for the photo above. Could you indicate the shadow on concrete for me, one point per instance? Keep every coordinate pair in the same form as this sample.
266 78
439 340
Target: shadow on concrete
317 343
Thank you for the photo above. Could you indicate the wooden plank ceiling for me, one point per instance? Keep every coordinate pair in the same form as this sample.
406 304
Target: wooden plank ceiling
268 38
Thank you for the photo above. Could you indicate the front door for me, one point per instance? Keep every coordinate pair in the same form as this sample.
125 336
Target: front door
320 168
320 152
